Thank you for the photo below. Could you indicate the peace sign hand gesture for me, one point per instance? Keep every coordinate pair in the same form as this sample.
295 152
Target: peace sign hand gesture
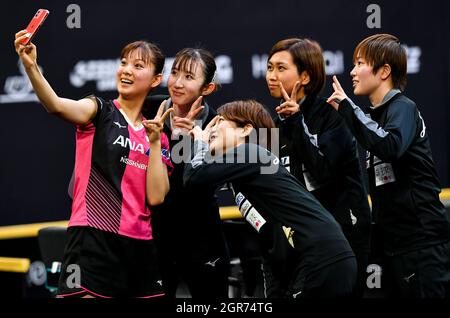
185 124
156 125
290 105
338 94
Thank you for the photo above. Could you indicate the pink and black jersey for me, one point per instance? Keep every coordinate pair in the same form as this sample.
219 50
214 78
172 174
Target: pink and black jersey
110 174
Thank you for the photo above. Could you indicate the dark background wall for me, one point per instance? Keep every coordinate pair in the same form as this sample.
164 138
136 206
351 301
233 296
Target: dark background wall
37 150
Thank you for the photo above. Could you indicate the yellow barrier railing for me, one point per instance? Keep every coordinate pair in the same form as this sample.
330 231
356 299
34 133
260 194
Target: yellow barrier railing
26 230
226 213
21 265
445 197
16 265
232 212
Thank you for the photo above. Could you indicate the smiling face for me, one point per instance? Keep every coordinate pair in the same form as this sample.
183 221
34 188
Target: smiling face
135 77
364 81
281 68
224 136
186 84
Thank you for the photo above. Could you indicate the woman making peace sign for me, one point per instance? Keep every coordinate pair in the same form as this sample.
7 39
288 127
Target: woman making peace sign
187 226
316 146
120 169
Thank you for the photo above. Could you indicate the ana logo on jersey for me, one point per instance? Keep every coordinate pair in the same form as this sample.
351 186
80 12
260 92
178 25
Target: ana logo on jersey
127 143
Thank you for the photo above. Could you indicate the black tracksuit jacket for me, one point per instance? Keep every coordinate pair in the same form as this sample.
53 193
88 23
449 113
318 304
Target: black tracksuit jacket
404 186
321 153
292 224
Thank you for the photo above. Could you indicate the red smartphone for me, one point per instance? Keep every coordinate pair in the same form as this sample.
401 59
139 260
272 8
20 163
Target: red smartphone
35 24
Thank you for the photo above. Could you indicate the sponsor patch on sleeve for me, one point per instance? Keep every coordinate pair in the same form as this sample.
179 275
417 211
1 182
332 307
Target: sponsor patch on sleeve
255 219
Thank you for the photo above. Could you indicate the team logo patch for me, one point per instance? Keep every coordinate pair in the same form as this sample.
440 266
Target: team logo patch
119 125
289 233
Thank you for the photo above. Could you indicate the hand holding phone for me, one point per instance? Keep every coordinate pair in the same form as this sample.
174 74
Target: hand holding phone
35 24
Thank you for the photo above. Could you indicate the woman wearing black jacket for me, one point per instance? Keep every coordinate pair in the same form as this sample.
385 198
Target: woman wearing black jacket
404 186
315 144
304 243
187 226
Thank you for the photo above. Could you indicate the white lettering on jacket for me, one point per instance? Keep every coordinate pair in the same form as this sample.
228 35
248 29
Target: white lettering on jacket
127 143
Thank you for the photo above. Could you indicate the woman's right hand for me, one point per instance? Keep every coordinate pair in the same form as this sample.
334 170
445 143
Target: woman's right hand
338 94
27 53
155 127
